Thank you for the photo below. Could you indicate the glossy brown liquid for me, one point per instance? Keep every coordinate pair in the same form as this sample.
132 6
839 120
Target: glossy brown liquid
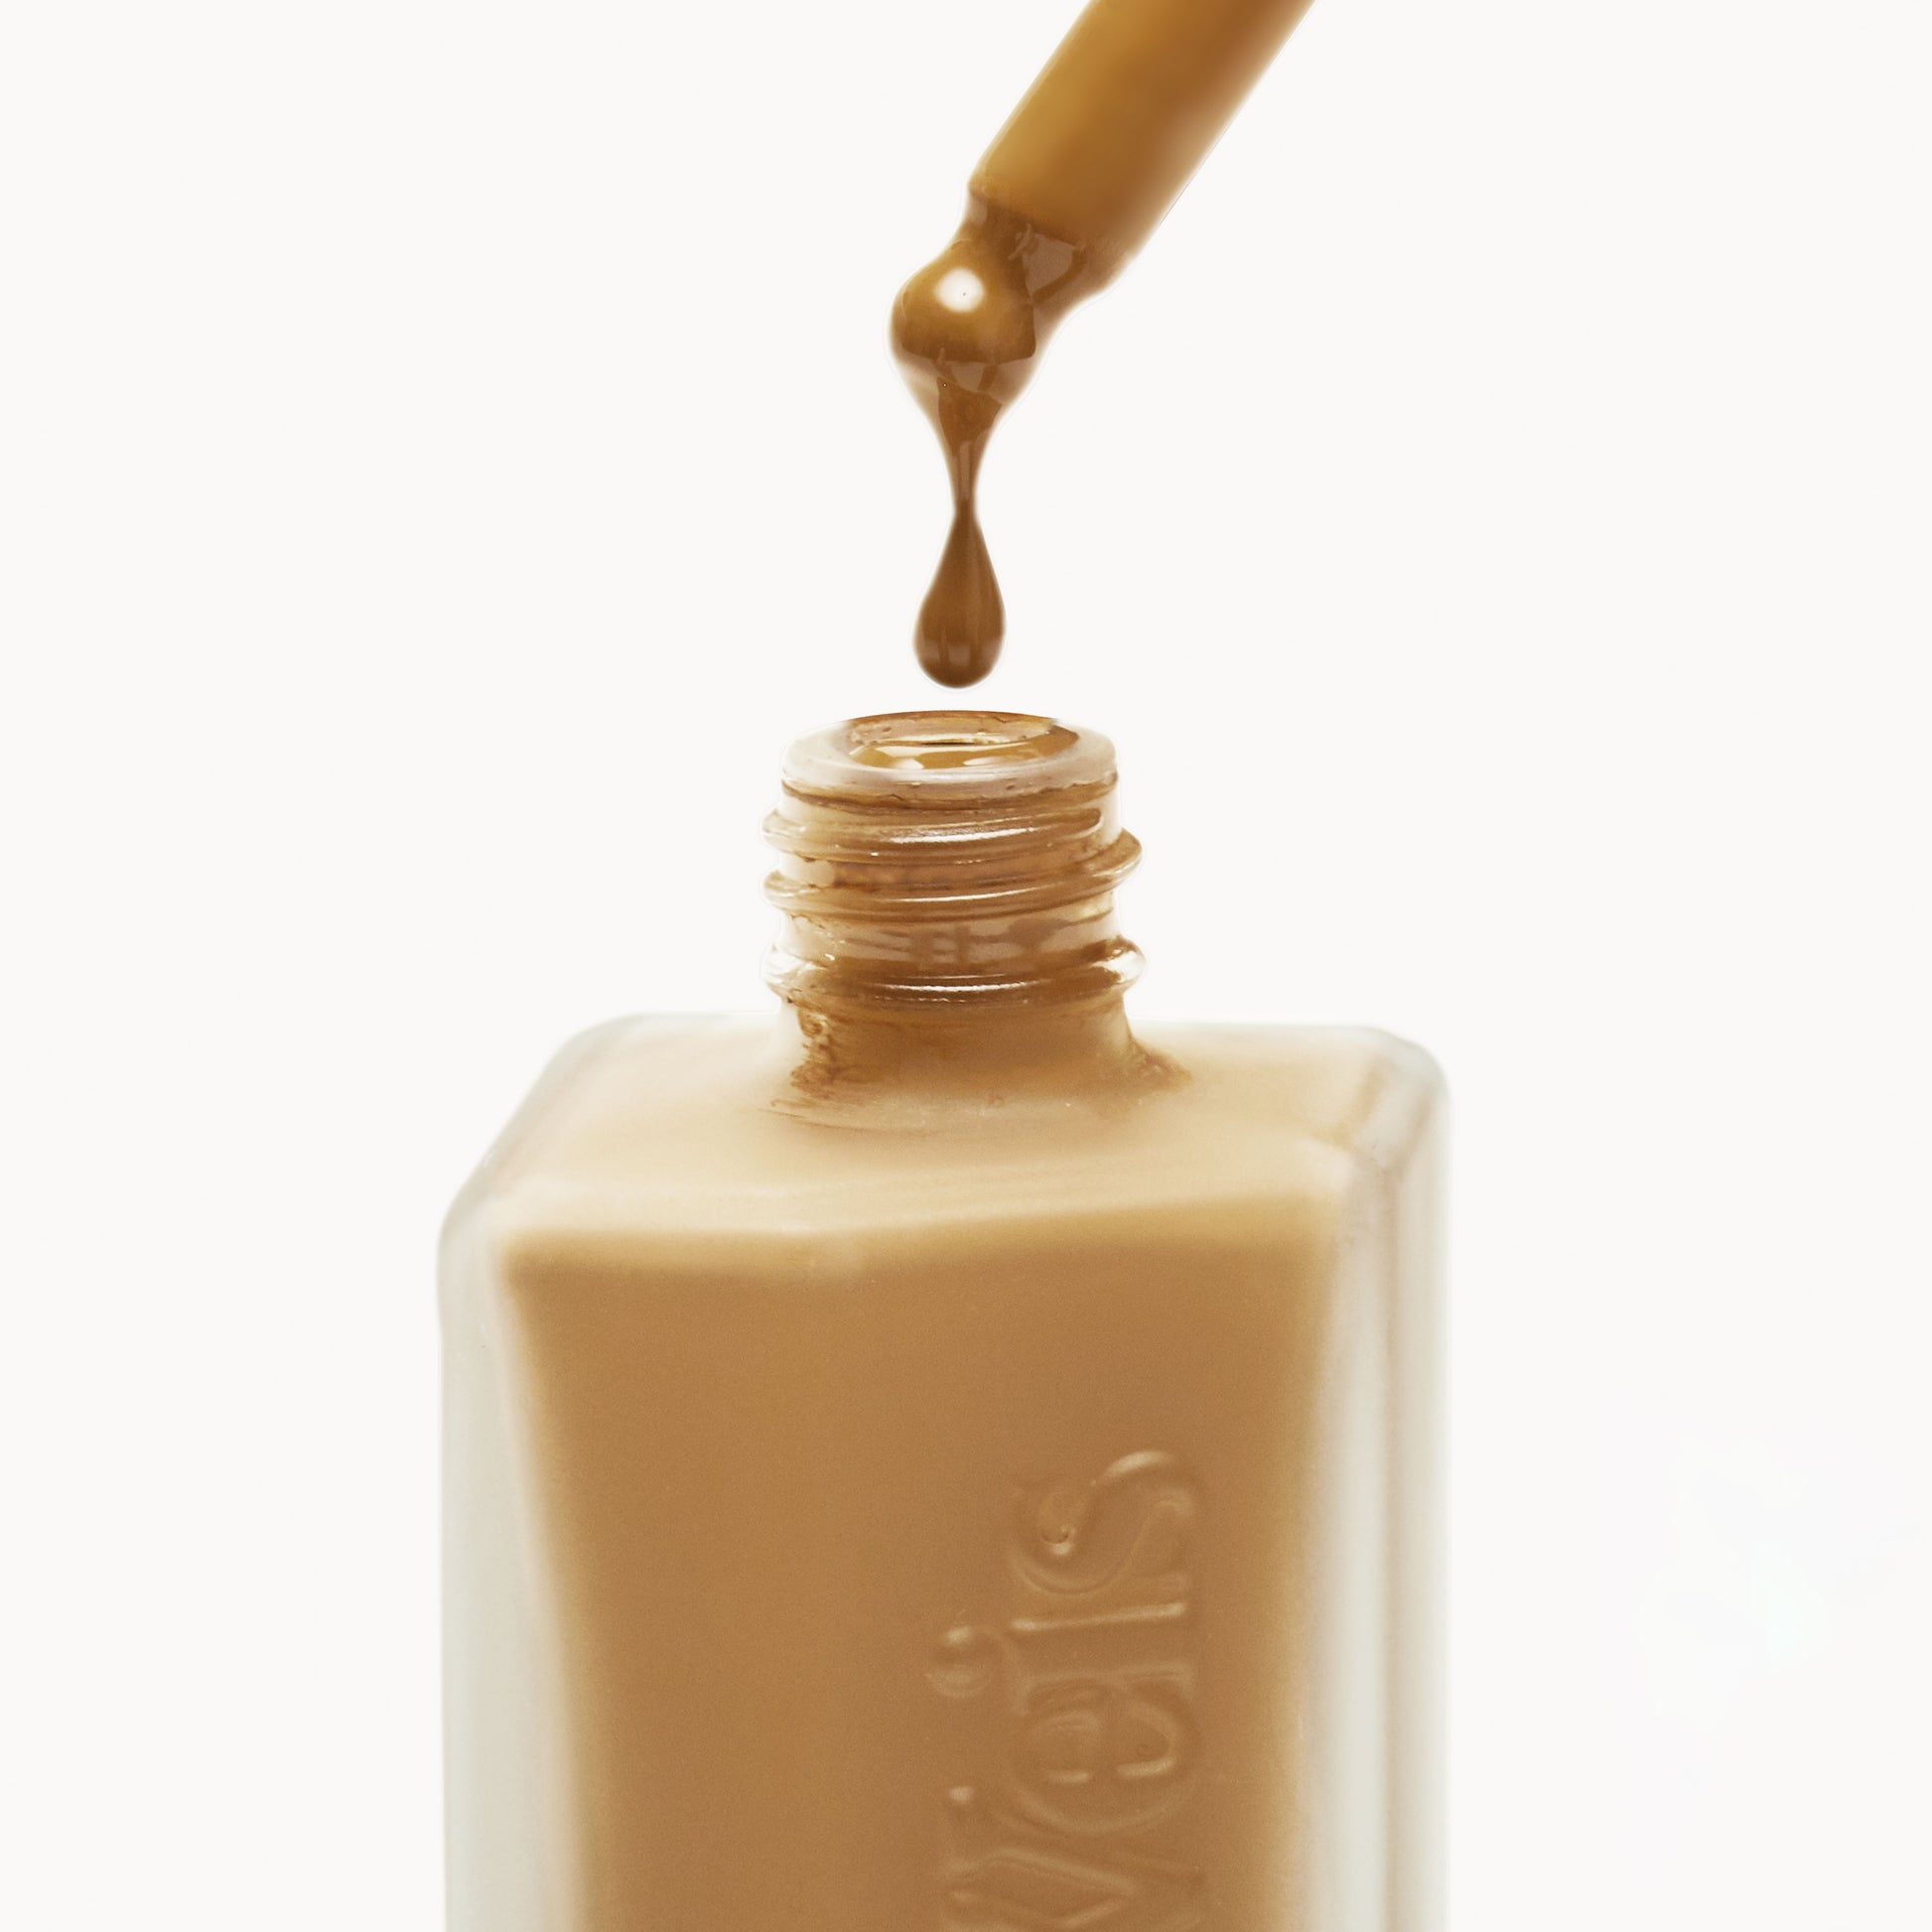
1076 181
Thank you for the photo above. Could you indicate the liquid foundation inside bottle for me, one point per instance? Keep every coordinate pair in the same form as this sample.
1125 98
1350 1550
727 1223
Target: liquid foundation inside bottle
1075 182
948 1460
941 1462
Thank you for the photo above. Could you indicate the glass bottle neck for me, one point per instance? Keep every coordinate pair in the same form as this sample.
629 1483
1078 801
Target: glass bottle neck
946 884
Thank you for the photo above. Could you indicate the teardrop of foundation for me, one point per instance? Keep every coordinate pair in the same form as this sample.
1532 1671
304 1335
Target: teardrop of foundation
963 621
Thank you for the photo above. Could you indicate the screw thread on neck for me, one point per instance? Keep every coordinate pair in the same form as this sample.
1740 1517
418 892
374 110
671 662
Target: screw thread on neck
949 864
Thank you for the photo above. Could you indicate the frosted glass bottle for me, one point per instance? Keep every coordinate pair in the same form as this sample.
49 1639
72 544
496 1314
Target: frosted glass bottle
938 1462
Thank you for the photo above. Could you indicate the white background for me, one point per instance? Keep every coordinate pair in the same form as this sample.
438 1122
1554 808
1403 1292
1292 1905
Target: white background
445 452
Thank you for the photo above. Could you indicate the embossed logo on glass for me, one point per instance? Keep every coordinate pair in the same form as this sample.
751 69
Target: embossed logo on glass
1087 1674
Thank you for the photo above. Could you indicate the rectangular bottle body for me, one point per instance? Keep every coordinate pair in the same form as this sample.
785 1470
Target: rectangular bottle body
1007 1521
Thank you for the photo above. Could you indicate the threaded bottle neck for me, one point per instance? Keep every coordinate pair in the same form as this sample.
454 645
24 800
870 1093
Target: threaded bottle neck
949 864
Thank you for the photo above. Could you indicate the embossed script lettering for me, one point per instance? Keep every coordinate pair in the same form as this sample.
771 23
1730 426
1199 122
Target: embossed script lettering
1088 1678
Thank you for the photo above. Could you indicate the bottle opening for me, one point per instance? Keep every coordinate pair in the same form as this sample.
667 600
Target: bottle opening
950 740
940 753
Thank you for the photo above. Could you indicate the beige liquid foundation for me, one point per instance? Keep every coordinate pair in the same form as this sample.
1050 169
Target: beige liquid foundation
941 1459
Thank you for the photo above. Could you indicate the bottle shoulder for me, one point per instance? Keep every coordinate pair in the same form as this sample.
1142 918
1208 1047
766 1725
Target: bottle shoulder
680 1126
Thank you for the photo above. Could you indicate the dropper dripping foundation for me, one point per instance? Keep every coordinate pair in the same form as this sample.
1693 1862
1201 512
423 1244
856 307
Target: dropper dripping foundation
1074 182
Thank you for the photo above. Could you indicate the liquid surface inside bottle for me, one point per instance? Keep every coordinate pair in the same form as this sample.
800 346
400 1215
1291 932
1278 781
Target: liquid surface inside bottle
940 1458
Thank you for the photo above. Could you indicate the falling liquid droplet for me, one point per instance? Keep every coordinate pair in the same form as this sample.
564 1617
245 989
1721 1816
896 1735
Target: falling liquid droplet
963 621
